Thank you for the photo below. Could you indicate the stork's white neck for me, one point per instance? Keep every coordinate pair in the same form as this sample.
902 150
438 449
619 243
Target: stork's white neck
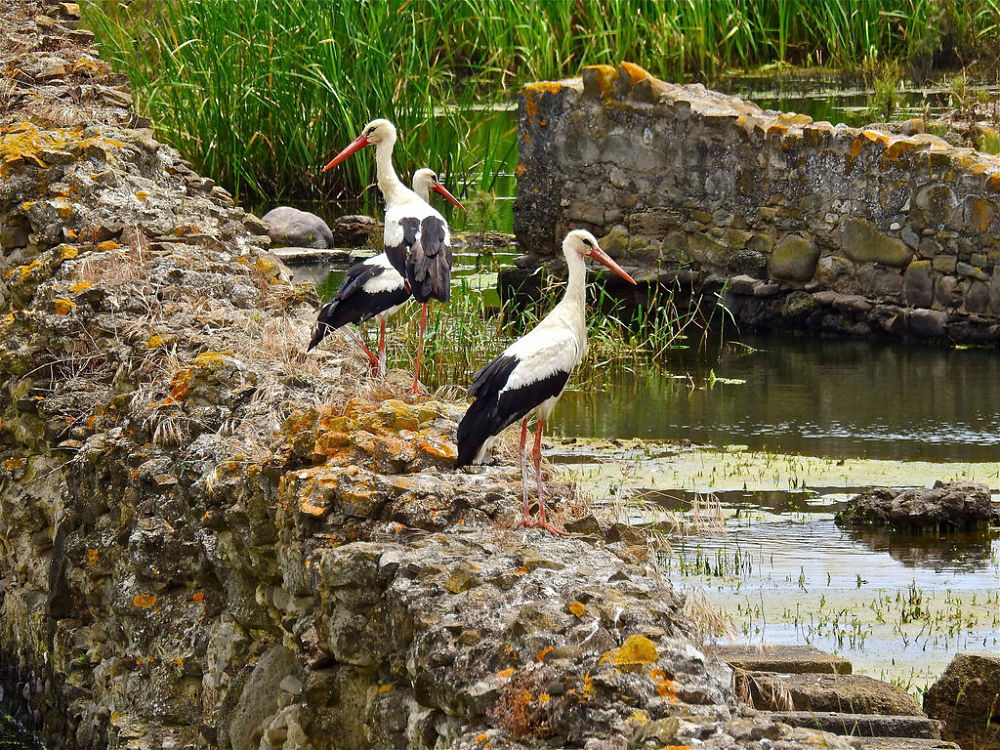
392 189
576 288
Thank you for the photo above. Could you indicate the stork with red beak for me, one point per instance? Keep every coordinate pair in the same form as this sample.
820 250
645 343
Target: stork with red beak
373 288
417 240
530 375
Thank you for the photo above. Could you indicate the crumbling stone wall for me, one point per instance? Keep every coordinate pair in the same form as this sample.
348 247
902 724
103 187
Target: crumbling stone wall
209 539
805 224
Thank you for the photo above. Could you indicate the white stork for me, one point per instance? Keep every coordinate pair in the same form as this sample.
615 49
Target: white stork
532 372
373 288
417 240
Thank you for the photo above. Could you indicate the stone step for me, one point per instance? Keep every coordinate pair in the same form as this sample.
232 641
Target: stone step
861 725
785 659
902 743
848 693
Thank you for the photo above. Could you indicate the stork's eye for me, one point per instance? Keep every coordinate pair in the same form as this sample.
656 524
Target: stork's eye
587 242
370 130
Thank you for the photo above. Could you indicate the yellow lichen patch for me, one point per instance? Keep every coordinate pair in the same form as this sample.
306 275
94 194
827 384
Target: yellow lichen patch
543 698
637 650
90 67
505 673
63 305
437 447
142 195
635 72
92 557
777 129
108 245
144 601
605 75
520 169
13 463
898 148
155 342
576 608
384 688
80 286
68 252
310 509
876 137
482 738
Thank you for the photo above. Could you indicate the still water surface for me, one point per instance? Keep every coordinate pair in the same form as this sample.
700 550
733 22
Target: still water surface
839 398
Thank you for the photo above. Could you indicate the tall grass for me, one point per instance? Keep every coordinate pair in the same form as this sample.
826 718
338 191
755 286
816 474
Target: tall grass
260 93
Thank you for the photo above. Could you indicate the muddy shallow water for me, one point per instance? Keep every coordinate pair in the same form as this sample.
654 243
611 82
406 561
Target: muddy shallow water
783 434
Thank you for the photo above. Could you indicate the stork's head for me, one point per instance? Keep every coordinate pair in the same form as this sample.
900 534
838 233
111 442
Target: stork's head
374 132
425 180
585 244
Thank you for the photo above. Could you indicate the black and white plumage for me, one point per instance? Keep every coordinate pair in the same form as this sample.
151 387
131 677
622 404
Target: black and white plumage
530 375
417 239
372 288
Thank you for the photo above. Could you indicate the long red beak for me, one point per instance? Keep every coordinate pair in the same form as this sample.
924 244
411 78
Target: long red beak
439 188
356 145
599 255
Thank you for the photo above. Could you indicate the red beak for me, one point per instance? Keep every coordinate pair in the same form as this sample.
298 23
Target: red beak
439 188
356 145
599 255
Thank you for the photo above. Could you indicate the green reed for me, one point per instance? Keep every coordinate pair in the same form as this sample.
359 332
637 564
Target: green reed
259 94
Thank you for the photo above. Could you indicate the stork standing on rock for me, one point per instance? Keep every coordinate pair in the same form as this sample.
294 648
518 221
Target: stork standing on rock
417 240
532 372
373 288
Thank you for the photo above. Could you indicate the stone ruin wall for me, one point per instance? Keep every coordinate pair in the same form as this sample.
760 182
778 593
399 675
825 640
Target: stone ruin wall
804 224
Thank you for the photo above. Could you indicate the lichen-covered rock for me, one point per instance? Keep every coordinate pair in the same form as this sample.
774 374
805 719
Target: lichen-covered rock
965 699
713 187
213 539
353 230
947 505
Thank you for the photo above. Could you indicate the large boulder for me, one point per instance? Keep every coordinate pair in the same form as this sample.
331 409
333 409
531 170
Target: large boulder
290 226
951 505
967 700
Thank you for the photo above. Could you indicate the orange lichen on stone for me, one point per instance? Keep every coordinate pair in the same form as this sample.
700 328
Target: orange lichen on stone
543 698
155 342
180 385
384 688
92 557
505 673
198 597
533 91
90 67
664 685
80 286
540 656
108 245
635 72
898 148
856 147
636 650
604 75
577 609
63 305
144 601
142 195
777 129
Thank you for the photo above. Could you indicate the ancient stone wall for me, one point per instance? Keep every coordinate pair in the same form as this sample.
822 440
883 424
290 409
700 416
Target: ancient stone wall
803 223
209 539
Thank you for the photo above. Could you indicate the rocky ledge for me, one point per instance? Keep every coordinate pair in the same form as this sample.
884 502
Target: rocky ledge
212 540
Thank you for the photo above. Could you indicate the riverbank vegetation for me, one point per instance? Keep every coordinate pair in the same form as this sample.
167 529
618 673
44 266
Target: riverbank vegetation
260 93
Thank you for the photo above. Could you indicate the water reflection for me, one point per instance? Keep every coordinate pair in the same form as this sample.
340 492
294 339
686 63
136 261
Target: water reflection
960 553
821 397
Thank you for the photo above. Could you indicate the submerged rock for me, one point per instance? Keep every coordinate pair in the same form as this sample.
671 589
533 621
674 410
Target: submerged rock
291 227
947 505
354 230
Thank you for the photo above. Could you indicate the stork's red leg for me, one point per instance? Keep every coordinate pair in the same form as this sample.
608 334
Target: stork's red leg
371 355
381 349
543 521
420 349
